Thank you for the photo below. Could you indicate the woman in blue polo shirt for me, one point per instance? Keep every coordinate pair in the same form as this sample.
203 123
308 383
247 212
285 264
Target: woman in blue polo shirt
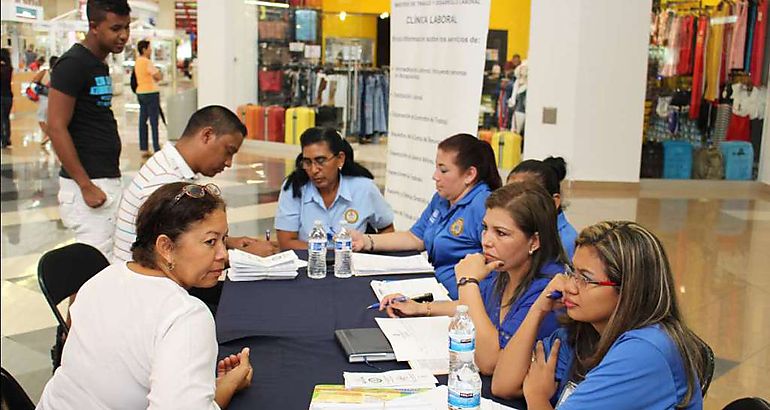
549 173
624 345
521 255
450 226
328 185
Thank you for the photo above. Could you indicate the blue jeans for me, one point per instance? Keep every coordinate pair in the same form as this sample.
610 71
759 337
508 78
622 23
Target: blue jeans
149 107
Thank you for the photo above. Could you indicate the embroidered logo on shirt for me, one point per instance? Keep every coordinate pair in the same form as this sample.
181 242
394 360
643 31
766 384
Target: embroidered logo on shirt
351 216
433 216
457 227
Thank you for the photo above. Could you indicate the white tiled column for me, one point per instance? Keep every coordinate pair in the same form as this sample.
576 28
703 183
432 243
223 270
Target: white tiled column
588 60
227 53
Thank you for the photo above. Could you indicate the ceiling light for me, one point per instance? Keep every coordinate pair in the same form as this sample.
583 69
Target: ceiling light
343 16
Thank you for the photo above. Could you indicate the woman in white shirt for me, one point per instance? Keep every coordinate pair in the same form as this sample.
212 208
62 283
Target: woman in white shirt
138 339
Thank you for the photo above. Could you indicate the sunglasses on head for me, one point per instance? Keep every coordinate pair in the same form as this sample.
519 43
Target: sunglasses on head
198 191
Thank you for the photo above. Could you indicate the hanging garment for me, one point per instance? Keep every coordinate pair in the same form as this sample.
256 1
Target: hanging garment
686 40
722 123
727 39
698 67
750 29
737 47
714 54
739 128
758 47
671 53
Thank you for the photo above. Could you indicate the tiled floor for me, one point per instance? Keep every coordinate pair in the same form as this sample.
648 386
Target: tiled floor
717 235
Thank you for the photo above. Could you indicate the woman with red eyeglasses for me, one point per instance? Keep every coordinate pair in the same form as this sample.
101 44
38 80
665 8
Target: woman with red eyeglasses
624 343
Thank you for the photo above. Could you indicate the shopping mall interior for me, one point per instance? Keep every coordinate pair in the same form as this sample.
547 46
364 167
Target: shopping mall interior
657 107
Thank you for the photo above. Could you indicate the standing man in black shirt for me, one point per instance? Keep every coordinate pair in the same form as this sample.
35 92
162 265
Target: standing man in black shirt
83 129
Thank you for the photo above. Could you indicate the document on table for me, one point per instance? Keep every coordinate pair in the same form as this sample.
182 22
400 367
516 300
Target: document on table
417 338
436 399
410 288
364 264
394 379
336 397
247 267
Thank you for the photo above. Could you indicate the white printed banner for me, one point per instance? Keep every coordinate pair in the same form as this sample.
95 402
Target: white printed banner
437 65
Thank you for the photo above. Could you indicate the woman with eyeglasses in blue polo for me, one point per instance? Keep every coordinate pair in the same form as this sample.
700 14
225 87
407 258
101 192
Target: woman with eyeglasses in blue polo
450 226
328 185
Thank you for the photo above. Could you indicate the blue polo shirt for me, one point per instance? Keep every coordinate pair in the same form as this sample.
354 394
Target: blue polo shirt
451 232
520 306
567 234
358 202
642 370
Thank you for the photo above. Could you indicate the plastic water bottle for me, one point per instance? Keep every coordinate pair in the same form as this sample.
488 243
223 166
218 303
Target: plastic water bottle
316 252
343 248
464 381
464 387
462 337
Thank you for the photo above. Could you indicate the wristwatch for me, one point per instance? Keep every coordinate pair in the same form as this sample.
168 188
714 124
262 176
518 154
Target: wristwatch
465 281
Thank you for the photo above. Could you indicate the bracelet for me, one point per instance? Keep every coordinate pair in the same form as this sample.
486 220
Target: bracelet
371 248
428 306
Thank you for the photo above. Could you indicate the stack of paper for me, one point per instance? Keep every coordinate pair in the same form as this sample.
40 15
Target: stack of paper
422 341
394 379
410 288
246 267
364 264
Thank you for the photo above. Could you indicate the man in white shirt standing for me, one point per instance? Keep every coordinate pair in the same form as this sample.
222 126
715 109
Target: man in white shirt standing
212 137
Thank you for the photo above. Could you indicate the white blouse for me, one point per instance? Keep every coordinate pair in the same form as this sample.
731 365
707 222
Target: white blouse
137 342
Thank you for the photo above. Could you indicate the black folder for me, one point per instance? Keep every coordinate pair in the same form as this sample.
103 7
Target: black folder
365 345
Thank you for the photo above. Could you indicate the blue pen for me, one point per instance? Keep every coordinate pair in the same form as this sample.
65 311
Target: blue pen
398 299
555 295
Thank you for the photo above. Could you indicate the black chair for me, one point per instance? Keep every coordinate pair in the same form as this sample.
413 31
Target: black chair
12 395
708 369
60 273
748 403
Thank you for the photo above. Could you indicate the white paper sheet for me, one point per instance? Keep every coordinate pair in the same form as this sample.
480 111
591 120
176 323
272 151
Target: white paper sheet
247 267
394 379
417 338
434 366
410 288
364 264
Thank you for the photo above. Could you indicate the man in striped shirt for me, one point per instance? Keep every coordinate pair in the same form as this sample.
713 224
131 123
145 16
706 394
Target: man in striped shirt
212 136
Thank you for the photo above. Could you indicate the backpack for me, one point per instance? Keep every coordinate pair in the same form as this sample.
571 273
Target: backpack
134 83
708 164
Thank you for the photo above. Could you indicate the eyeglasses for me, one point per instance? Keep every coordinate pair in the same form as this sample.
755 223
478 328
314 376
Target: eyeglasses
198 191
320 161
582 281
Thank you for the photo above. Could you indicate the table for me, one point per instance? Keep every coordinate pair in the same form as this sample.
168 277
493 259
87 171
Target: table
289 326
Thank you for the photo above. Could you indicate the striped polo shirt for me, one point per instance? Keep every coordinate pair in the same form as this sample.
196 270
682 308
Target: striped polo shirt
165 167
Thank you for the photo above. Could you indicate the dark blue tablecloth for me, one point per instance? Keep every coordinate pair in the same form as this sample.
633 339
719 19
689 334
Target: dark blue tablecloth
289 326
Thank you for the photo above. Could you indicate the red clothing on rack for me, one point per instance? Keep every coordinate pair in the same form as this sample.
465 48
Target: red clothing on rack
687 31
698 66
739 128
758 48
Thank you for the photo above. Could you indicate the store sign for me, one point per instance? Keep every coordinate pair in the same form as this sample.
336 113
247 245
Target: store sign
26 12
437 59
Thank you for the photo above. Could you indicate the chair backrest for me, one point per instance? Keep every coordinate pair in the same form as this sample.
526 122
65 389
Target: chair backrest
13 396
748 403
61 272
708 368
